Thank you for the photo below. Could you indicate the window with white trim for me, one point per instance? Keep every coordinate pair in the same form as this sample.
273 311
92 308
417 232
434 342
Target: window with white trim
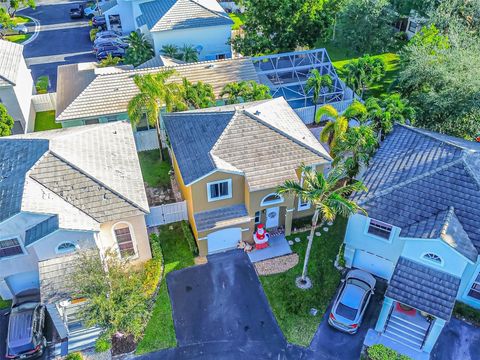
10 247
219 190
66 247
475 289
124 238
302 204
379 229
433 258
271 199
257 217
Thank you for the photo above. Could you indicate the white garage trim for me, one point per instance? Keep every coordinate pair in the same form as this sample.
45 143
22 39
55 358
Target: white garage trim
373 264
223 240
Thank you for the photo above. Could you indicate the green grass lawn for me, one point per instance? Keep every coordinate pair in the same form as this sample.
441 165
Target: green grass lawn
5 304
45 120
291 305
18 38
238 20
154 171
160 333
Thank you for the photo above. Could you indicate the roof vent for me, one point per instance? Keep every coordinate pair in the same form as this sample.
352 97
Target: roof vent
211 66
257 113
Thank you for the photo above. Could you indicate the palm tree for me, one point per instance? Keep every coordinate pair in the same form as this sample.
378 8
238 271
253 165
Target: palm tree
334 129
355 149
398 108
170 50
363 71
253 91
356 111
188 54
139 50
155 93
109 61
317 83
327 195
233 92
199 95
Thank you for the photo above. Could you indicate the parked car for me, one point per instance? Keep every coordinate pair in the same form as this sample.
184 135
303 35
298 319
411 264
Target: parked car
100 41
106 37
107 32
110 45
76 12
17 29
117 52
91 11
99 21
352 300
26 336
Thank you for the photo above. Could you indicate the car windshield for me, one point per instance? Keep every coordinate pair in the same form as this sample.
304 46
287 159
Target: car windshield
346 311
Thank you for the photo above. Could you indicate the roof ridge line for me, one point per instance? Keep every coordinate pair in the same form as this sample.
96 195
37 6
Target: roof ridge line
446 220
469 170
420 131
409 181
97 181
210 10
283 133
222 135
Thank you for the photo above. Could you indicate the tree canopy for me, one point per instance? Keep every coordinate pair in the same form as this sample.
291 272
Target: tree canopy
14 5
6 121
283 25
139 51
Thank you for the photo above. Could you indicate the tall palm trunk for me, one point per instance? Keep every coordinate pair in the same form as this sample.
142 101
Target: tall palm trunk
309 246
159 136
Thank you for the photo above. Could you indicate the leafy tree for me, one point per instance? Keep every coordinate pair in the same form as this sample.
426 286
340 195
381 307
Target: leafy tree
245 91
283 25
188 54
334 129
442 82
170 50
139 51
362 72
462 16
6 121
365 26
14 5
155 93
328 196
355 148
109 61
115 303
5 22
318 84
199 95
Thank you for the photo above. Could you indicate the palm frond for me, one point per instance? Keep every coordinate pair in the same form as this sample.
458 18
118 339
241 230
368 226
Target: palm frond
326 110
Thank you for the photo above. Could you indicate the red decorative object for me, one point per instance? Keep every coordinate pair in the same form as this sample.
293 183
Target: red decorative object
407 310
261 237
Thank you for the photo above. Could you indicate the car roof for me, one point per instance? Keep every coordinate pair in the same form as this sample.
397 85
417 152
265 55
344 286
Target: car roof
20 329
352 296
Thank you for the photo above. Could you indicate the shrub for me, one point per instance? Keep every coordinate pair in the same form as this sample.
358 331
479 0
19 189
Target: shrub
42 84
301 222
74 356
467 312
102 344
156 247
152 272
341 257
93 33
187 232
381 352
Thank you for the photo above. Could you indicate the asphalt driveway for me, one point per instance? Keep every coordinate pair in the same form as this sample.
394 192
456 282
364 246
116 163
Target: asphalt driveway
458 340
334 344
61 40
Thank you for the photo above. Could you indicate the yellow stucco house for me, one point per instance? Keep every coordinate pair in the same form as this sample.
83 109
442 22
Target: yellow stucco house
229 161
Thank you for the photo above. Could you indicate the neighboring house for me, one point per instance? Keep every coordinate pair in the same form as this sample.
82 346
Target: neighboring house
421 233
230 160
200 23
62 191
16 85
90 95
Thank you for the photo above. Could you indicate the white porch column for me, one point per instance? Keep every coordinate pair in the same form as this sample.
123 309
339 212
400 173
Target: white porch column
383 316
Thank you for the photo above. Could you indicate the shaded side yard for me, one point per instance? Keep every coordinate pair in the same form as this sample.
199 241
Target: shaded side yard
160 333
45 120
155 172
291 305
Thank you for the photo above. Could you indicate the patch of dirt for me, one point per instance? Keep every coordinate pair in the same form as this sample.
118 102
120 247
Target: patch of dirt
122 344
276 265
159 195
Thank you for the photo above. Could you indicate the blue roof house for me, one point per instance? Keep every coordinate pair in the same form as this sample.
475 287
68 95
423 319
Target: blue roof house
421 234
200 23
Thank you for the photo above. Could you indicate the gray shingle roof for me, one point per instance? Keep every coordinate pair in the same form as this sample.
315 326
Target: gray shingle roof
10 57
221 217
416 175
164 15
41 230
423 288
93 168
265 141
84 91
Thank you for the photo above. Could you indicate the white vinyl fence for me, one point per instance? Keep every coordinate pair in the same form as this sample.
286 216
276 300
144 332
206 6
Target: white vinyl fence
148 140
306 113
44 102
166 214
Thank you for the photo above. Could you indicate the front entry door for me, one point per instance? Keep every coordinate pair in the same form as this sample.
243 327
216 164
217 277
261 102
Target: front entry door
273 215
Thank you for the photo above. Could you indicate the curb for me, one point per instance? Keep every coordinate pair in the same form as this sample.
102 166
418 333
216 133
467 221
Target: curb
36 31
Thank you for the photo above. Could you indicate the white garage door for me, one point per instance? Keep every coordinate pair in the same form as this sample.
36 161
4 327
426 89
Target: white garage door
373 264
222 240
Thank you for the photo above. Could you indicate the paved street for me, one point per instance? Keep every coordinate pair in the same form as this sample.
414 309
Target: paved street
458 340
60 41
